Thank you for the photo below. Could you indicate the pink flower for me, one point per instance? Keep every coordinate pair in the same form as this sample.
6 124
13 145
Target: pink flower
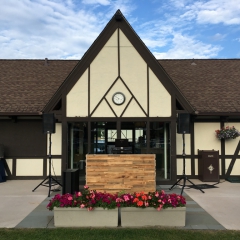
82 206
119 200
90 209
156 194
146 204
79 194
85 186
126 198
160 207
70 198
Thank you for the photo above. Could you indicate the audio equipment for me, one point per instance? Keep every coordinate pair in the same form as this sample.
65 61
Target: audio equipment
1 151
51 180
183 123
184 176
48 123
70 181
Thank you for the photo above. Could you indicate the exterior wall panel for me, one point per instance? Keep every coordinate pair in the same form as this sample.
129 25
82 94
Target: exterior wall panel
77 98
180 166
23 138
231 144
205 138
103 71
10 166
56 139
236 167
160 99
133 70
179 142
56 167
29 167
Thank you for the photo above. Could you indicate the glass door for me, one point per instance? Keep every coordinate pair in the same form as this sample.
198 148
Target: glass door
160 145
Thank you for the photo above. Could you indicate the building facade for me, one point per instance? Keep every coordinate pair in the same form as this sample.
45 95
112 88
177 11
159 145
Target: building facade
118 90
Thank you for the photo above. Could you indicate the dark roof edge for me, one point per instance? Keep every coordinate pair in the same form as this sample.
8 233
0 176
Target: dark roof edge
216 113
20 113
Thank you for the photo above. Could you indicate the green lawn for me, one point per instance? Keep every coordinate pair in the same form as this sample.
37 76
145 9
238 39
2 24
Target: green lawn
116 233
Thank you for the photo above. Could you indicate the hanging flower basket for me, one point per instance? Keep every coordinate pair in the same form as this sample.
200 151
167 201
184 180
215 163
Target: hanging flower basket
227 133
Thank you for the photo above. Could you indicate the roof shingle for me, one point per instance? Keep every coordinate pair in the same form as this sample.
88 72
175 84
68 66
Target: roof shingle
210 85
27 85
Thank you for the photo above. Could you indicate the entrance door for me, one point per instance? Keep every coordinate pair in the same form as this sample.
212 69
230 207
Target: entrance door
126 132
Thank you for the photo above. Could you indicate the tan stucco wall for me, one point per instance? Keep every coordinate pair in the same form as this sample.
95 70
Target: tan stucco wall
236 166
160 99
231 144
133 71
77 98
56 139
29 167
103 71
10 165
179 142
187 166
205 138
56 166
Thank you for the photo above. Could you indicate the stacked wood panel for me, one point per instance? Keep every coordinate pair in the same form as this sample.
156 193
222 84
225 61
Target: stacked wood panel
121 172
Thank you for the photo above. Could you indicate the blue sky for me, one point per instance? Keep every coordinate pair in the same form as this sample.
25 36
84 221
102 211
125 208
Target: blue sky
171 29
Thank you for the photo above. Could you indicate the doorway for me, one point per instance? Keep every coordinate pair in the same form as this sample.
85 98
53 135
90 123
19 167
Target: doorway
99 138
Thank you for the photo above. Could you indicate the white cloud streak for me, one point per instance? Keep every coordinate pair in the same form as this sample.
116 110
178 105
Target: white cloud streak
65 29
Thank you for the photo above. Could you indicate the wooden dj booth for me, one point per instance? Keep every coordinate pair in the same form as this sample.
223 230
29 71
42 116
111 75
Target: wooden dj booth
121 172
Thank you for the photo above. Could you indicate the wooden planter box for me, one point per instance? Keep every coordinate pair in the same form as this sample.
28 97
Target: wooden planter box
77 217
140 217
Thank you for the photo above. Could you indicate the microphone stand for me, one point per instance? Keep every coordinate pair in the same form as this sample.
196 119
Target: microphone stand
184 177
51 179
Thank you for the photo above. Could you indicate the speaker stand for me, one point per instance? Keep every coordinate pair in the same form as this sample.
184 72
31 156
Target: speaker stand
51 181
184 177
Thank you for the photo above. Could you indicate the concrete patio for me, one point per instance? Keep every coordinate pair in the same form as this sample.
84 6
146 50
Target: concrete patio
217 208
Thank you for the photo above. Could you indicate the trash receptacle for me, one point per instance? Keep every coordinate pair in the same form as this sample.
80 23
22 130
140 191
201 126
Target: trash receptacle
208 165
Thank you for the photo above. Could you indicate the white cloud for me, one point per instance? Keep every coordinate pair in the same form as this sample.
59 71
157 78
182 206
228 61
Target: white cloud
46 29
215 11
218 37
65 29
185 47
102 2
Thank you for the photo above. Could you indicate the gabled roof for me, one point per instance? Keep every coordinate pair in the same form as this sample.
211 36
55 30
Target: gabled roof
210 85
118 21
29 87
26 86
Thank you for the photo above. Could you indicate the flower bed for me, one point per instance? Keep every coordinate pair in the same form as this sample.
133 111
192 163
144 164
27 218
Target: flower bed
108 204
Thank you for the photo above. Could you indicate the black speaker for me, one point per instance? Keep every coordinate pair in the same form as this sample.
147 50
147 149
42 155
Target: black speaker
183 123
1 151
70 181
48 123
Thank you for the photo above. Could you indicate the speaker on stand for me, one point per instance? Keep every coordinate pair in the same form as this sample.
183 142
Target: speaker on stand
49 128
183 127
2 168
49 123
183 123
